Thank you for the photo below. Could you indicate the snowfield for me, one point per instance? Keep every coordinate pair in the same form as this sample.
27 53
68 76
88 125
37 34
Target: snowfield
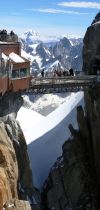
46 135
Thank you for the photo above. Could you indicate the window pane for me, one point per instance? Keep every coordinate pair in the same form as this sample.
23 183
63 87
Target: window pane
15 73
23 72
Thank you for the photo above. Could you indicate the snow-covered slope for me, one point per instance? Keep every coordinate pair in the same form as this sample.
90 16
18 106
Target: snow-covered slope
45 135
46 103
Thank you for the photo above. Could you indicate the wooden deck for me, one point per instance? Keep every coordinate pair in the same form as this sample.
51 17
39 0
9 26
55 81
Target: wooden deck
63 84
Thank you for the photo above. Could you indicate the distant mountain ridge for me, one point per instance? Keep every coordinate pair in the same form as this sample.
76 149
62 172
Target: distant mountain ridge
50 52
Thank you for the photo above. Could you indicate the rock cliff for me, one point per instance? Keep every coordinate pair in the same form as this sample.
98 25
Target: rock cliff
91 47
72 183
74 180
16 185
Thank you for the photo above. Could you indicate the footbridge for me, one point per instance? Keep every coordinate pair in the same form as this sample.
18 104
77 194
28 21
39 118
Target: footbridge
64 84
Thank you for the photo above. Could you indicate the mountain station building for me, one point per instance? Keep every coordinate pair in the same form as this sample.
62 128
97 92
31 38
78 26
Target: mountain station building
14 69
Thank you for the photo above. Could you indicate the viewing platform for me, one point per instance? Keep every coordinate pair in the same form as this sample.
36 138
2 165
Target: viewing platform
63 84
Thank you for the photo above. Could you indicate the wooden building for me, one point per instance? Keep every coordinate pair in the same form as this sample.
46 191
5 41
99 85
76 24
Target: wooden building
14 69
19 73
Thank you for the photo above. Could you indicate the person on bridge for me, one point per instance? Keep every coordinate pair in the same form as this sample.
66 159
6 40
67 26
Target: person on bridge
42 73
55 73
71 72
64 73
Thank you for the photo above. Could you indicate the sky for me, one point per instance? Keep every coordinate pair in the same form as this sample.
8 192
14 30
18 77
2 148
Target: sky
48 17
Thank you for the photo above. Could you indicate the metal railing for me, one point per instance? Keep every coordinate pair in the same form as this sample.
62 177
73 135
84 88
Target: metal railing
63 84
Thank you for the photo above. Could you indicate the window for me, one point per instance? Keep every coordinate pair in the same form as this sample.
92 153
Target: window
28 71
2 67
20 73
24 72
15 74
0 72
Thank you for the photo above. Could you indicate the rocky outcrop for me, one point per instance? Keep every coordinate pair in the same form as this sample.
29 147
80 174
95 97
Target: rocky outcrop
71 182
16 204
97 18
91 60
8 168
17 190
10 103
91 47
25 187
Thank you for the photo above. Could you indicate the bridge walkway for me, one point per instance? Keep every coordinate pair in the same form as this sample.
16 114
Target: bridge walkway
64 84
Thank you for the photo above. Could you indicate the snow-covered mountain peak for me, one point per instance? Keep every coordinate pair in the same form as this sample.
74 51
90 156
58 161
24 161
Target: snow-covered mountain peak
34 36
30 37
50 52
31 33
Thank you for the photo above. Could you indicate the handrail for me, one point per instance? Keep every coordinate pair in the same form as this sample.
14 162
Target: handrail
81 77
63 84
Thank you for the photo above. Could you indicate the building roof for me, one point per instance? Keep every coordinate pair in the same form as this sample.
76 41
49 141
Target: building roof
2 43
16 58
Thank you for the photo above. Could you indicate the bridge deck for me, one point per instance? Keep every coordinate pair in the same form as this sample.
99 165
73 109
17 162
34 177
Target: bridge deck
64 84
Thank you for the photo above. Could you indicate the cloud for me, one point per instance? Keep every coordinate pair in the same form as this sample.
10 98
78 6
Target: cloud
78 4
56 11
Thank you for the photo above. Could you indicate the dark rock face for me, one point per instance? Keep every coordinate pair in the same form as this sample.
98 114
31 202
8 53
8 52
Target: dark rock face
91 59
91 47
97 18
71 182
92 99
10 103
